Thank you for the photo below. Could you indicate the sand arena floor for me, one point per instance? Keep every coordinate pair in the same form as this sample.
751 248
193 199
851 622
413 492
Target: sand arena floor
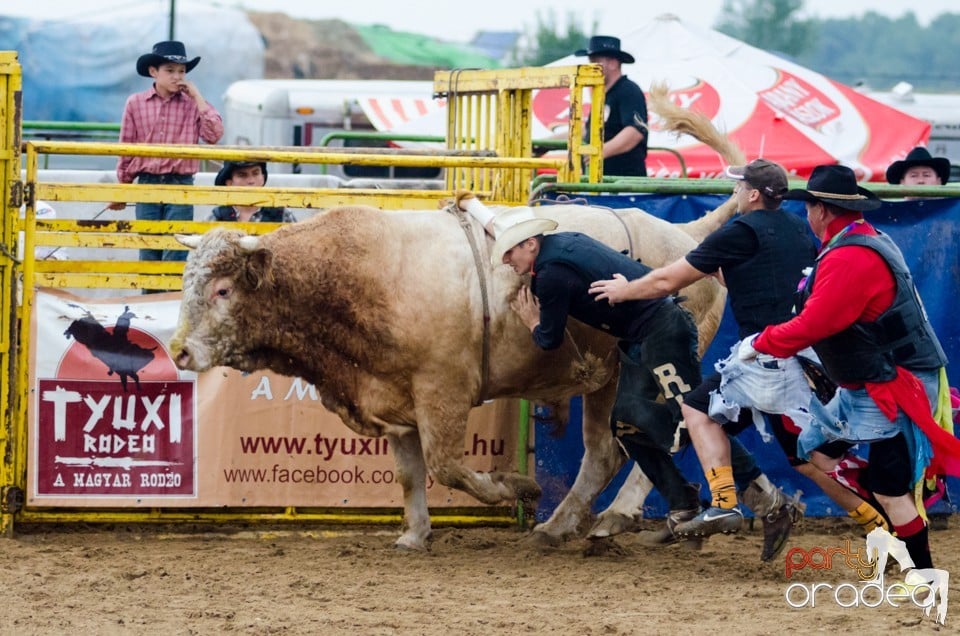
304 580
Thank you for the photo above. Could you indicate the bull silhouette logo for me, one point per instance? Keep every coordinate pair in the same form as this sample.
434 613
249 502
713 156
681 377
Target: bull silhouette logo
881 545
114 349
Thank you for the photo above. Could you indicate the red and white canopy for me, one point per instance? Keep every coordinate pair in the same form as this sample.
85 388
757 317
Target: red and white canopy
770 107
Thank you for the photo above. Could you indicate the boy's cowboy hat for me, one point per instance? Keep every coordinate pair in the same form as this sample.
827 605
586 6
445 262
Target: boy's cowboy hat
607 46
919 156
163 52
836 185
514 227
226 172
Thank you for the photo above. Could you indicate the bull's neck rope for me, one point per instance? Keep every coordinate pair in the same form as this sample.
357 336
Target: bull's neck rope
467 226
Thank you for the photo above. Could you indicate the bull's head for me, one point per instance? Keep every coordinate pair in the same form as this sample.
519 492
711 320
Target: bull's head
223 273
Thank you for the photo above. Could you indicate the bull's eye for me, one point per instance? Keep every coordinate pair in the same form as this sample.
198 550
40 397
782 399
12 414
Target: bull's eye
223 293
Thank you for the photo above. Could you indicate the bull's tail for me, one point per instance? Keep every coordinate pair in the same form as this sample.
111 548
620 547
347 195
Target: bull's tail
693 123
697 125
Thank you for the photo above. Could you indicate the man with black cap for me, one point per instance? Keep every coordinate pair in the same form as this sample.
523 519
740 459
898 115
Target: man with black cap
625 110
760 256
171 111
859 310
247 174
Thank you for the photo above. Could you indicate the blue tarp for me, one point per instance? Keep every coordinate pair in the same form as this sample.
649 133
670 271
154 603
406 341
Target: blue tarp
83 69
928 233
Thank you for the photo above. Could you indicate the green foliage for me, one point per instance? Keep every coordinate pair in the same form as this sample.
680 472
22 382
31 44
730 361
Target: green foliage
874 50
880 52
770 25
548 41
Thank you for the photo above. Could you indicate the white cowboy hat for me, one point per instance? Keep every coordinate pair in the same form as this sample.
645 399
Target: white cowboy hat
515 226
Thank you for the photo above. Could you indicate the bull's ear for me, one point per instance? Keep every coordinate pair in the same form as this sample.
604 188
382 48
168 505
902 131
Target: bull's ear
190 240
257 268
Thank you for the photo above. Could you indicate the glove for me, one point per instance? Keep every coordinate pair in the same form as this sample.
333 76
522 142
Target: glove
746 351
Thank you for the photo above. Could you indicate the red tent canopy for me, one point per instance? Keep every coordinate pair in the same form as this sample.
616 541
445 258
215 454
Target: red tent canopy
770 106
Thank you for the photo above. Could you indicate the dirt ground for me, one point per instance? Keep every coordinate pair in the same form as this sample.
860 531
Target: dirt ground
285 580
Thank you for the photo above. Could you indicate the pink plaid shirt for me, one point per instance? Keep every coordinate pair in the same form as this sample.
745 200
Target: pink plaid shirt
148 118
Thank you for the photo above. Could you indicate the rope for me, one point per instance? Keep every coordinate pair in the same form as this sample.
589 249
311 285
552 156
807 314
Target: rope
467 225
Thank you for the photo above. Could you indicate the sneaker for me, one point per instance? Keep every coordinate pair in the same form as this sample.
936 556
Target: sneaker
777 526
711 521
668 535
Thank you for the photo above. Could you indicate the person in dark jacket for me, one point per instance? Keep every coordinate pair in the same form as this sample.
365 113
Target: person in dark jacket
760 256
248 174
657 346
624 112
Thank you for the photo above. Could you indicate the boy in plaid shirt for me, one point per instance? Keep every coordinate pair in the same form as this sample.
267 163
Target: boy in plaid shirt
172 111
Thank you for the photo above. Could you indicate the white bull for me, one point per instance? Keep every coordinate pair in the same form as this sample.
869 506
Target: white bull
383 312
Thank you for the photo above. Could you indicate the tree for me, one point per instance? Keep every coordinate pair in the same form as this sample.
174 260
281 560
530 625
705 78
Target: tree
549 42
770 25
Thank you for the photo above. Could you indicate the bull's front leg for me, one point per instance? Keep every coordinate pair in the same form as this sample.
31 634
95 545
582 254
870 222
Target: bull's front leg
601 461
412 475
442 422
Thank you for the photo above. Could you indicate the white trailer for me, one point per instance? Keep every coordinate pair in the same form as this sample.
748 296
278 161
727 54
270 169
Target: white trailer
303 112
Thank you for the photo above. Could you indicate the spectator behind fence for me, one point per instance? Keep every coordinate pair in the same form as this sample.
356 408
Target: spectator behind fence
919 168
247 174
624 112
172 111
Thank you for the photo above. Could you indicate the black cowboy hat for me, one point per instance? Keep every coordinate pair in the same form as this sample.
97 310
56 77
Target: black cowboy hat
226 172
163 52
607 46
919 156
836 185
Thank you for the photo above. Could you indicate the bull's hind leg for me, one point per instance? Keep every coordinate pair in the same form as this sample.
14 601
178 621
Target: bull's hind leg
443 424
412 475
601 461
626 509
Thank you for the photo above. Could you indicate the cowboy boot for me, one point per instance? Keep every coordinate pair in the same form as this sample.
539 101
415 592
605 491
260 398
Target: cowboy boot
777 512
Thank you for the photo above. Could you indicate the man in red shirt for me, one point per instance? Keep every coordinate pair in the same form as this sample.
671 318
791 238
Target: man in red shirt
860 311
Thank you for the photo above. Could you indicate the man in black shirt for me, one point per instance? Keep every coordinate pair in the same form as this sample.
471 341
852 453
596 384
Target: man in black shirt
760 256
624 112
657 344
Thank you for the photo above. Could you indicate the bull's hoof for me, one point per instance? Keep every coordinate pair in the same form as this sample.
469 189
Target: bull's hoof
413 542
403 546
611 524
524 488
542 541
602 547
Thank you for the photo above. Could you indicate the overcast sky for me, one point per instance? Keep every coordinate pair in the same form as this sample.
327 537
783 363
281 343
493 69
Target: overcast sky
458 21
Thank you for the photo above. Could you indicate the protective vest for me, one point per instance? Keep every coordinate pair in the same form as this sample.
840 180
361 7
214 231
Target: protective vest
762 289
901 335
593 260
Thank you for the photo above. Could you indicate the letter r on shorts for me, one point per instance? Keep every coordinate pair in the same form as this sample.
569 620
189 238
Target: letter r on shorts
669 379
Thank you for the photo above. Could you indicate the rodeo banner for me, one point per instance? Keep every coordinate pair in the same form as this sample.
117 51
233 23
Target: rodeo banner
113 423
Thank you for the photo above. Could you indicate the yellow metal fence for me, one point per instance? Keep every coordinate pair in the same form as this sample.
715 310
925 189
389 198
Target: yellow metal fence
489 152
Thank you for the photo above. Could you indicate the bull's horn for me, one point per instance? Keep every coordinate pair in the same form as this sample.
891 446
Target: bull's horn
249 243
190 240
